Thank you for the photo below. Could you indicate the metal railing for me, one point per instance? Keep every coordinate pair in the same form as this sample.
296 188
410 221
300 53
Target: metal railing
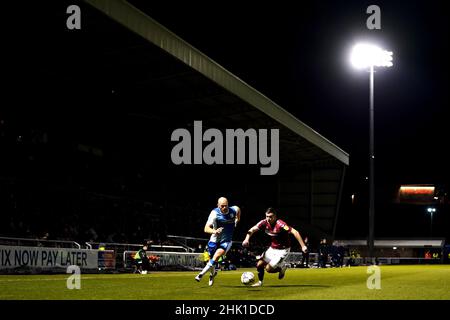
190 243
120 247
33 242
183 241
113 245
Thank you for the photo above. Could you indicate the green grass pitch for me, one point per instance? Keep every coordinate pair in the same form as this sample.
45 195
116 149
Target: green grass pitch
397 283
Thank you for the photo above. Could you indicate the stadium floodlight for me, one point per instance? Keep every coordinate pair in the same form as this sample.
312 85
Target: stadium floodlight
366 55
369 56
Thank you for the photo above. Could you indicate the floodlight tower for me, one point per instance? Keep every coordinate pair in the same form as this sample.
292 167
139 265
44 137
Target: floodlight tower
368 56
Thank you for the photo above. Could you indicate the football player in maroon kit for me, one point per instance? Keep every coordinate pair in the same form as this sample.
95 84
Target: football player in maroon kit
272 259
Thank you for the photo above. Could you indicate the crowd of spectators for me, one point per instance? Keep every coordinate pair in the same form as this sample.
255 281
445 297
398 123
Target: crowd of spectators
98 218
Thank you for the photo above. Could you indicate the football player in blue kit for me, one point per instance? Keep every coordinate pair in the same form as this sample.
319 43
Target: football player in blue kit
220 225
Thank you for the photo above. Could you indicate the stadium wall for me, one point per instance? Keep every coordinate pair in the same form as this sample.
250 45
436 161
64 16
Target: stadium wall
43 259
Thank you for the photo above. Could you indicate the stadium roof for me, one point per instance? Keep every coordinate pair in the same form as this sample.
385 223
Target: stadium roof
201 87
111 93
181 84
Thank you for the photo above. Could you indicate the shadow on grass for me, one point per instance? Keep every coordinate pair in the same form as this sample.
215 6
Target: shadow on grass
281 286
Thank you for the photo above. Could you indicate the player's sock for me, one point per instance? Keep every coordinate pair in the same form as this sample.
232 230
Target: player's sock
207 267
282 272
260 274
212 276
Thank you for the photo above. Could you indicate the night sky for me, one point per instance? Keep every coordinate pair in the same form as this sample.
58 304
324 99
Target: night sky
297 55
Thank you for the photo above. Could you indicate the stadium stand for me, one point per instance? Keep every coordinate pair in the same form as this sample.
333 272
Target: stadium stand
90 178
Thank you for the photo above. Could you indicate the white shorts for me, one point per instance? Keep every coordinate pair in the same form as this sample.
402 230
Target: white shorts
275 257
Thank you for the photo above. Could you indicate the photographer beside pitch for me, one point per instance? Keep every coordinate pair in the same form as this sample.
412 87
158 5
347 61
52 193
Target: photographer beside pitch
272 259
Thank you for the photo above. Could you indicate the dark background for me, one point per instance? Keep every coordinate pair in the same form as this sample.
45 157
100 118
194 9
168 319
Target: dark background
296 54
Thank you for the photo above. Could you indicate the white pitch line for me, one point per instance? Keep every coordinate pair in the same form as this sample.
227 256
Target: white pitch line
64 279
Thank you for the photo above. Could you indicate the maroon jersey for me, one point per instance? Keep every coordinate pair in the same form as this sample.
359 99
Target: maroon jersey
279 233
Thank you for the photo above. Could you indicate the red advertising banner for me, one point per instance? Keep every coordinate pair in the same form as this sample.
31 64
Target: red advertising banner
416 194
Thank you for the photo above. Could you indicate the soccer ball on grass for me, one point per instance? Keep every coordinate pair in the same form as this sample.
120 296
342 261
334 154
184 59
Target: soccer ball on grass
247 278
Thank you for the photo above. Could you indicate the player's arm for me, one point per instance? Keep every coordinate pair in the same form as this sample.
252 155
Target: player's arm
250 232
209 226
238 216
299 239
210 230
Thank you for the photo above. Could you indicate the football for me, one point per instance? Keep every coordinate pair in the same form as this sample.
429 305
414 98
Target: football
247 278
